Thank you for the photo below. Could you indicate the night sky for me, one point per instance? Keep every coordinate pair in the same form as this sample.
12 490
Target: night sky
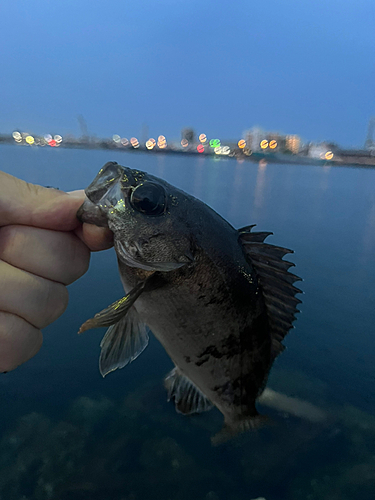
302 67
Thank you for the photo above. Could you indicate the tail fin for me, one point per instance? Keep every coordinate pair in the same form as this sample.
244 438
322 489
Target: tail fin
233 427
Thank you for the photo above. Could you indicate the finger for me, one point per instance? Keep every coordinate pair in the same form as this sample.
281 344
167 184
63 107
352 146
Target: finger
32 205
96 238
19 341
53 255
35 299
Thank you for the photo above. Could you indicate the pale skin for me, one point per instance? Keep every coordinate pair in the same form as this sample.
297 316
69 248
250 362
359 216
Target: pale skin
43 248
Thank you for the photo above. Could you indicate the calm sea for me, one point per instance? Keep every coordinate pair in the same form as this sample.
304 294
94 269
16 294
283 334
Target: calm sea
66 433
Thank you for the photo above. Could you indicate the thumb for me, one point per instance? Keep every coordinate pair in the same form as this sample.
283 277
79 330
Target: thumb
33 205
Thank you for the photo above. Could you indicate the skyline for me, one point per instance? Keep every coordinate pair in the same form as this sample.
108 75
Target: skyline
220 69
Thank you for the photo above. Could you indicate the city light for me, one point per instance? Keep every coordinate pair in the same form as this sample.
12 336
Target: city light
134 142
17 136
52 143
273 144
328 155
215 143
202 138
116 138
124 141
162 142
58 138
30 139
150 144
222 150
264 144
184 143
48 137
200 148
241 144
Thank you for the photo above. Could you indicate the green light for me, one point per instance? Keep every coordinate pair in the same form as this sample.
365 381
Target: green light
215 143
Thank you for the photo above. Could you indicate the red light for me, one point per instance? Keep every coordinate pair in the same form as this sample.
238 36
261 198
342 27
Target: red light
52 142
200 148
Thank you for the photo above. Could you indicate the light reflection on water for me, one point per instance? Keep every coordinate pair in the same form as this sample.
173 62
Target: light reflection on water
78 436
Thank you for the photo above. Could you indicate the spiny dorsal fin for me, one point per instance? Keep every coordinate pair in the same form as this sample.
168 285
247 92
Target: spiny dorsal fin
187 397
275 280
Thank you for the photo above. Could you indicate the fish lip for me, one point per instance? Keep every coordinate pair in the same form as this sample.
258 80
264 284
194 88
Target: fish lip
91 213
109 176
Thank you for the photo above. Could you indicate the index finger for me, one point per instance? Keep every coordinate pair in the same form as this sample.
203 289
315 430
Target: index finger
33 205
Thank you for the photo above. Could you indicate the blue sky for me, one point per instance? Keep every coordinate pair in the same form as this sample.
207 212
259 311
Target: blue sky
293 66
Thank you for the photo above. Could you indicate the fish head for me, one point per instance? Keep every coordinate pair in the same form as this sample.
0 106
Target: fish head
143 213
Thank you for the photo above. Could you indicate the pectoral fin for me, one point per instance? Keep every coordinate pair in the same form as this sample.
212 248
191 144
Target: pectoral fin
113 313
126 336
123 342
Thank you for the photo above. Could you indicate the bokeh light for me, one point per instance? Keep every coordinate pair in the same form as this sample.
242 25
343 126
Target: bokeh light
202 138
328 155
134 142
150 144
215 143
116 138
124 141
58 138
272 144
48 137
184 143
241 144
264 144
30 139
16 135
200 148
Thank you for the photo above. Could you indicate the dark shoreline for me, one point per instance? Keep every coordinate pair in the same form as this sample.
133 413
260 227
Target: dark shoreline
344 158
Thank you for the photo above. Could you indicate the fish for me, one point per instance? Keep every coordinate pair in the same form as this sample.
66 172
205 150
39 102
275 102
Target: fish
220 300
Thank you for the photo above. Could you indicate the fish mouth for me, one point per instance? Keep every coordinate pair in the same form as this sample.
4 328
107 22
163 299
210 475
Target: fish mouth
129 257
102 194
92 214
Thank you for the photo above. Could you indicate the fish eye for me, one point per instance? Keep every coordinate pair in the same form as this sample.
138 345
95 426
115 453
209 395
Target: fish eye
148 198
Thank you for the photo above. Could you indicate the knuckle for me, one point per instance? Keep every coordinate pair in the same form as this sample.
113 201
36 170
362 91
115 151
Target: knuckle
7 239
80 259
55 304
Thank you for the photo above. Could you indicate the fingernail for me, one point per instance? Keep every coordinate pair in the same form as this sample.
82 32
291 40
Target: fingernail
78 193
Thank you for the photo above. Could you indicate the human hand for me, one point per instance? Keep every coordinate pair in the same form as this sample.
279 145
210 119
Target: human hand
43 248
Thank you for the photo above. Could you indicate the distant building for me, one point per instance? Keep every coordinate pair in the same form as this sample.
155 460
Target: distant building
189 135
253 138
259 140
292 143
319 150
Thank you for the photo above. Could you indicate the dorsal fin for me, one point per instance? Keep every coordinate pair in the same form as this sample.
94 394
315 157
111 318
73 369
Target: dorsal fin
275 281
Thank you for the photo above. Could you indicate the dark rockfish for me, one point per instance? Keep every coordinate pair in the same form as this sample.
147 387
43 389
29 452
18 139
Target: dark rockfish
220 300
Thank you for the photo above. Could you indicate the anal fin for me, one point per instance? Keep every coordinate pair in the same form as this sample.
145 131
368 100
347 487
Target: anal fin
187 397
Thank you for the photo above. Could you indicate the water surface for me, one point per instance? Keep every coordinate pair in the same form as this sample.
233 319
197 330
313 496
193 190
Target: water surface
68 434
